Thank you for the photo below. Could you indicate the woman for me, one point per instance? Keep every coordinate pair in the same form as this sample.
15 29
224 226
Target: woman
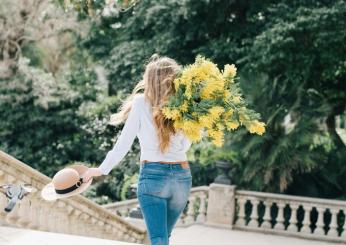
165 179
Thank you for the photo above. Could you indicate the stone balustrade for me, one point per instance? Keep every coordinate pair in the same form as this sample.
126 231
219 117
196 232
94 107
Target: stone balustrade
314 218
74 215
196 208
195 211
122 208
224 206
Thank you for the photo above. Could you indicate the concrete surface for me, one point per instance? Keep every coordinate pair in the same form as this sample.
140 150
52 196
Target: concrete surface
195 234
16 236
205 235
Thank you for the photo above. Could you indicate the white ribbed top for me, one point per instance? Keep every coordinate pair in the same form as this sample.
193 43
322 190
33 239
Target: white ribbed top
140 123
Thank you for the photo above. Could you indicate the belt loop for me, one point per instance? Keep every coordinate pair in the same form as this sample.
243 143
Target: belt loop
185 165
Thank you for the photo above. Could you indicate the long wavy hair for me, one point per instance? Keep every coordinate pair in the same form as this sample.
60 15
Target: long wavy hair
157 83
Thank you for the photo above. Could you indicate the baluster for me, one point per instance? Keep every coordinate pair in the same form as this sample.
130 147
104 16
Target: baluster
108 229
93 222
100 225
60 222
266 217
2 176
293 222
68 218
280 218
202 210
241 216
44 215
132 238
126 237
319 223
54 220
88 224
35 211
254 215
190 219
122 232
113 232
75 221
306 220
118 232
343 234
180 220
333 223
3 203
23 212
80 224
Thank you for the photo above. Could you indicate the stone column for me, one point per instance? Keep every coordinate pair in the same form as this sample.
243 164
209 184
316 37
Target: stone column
221 204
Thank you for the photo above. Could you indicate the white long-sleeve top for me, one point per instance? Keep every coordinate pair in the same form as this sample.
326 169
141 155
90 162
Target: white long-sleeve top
140 123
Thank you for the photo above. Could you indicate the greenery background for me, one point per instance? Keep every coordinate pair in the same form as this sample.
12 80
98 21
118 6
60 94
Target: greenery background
65 68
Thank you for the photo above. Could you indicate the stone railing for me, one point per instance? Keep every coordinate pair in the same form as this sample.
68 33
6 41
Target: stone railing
314 218
74 215
224 206
122 208
195 211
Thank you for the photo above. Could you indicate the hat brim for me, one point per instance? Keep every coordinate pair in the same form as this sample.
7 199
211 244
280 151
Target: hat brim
48 192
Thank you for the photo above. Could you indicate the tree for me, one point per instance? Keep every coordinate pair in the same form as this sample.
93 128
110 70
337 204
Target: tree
301 54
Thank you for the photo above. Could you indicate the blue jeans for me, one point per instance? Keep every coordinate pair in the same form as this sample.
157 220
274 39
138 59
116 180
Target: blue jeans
163 191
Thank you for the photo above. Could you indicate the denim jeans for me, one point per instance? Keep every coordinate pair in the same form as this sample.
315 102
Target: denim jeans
163 191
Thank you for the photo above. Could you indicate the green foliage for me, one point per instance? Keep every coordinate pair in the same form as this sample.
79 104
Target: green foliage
299 52
126 192
290 56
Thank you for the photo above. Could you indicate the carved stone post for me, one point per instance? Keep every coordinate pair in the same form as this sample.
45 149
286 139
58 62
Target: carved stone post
221 204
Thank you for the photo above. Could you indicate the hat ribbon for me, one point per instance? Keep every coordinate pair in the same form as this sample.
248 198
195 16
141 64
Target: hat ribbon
72 188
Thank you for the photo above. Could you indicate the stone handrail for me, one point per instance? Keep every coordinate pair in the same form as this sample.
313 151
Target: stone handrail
74 215
306 217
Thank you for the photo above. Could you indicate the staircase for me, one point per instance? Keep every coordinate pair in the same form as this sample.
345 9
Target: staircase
75 215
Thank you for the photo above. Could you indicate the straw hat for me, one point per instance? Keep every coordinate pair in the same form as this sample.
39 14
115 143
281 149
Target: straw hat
65 183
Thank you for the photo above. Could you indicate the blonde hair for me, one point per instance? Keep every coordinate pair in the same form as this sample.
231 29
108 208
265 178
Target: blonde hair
157 83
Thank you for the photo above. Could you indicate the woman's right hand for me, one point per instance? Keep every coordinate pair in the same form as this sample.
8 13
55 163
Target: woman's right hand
91 172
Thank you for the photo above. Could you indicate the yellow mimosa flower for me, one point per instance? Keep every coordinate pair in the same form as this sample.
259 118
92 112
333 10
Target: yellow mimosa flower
216 111
232 125
171 113
257 127
206 121
208 100
217 136
229 71
184 107
236 99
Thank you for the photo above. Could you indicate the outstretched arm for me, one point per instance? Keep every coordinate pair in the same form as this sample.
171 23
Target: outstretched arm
124 141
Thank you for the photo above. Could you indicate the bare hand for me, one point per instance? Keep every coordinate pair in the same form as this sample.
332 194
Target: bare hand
91 172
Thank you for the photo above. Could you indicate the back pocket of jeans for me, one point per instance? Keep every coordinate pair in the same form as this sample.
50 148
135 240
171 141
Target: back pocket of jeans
184 176
153 185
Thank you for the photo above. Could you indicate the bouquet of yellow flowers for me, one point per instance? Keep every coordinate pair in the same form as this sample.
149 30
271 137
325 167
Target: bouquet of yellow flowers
207 102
